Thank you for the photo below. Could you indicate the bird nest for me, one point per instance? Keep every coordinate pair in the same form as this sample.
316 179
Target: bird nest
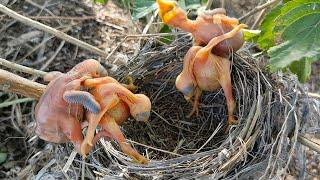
260 145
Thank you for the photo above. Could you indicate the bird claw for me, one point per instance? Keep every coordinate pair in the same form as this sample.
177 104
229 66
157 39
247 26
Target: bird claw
231 121
85 148
140 159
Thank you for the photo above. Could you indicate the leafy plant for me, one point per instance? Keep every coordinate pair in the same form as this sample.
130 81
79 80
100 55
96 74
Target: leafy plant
290 34
166 39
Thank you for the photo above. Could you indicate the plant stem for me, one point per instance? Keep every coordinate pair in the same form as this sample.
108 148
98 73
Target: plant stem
258 8
13 83
21 68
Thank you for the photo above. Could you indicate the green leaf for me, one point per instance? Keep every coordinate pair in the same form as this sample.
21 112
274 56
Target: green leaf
3 157
267 38
143 8
290 34
301 41
166 39
298 9
100 1
251 35
302 69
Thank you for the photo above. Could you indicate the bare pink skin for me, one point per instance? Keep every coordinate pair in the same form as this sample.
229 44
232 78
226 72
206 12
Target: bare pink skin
205 71
117 104
57 120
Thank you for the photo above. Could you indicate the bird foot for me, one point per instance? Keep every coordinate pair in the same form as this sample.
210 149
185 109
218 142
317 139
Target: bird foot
86 145
231 121
85 149
195 108
136 157
140 159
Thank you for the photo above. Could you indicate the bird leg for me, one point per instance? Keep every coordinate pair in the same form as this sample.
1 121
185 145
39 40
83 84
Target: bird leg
109 125
91 83
72 129
195 107
94 119
222 66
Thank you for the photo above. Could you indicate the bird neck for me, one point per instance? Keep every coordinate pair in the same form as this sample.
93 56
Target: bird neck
125 95
187 25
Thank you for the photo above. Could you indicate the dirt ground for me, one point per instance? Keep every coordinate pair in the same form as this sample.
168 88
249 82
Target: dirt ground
101 26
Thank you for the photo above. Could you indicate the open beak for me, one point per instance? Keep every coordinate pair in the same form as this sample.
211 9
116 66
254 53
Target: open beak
165 6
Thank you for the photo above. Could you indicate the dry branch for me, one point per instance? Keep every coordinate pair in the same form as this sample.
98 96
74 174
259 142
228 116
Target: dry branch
10 82
309 143
21 68
259 8
51 30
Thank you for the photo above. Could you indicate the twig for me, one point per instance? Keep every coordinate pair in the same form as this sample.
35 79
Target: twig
6 104
145 30
21 68
10 82
157 149
241 152
210 138
43 170
42 7
51 30
62 18
150 35
259 19
314 95
309 143
40 45
53 56
115 49
259 8
69 161
209 4
223 4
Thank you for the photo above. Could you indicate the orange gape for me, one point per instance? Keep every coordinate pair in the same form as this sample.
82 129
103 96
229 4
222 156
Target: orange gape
208 25
117 103
58 115
203 70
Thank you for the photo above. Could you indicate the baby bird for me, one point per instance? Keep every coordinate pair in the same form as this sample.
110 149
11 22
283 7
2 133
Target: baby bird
207 25
117 104
205 71
58 118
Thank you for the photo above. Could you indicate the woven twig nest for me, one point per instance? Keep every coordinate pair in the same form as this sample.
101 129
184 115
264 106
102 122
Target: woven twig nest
261 145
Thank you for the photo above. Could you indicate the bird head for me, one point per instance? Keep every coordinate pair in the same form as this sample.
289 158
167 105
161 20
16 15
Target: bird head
170 12
90 67
185 85
140 110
